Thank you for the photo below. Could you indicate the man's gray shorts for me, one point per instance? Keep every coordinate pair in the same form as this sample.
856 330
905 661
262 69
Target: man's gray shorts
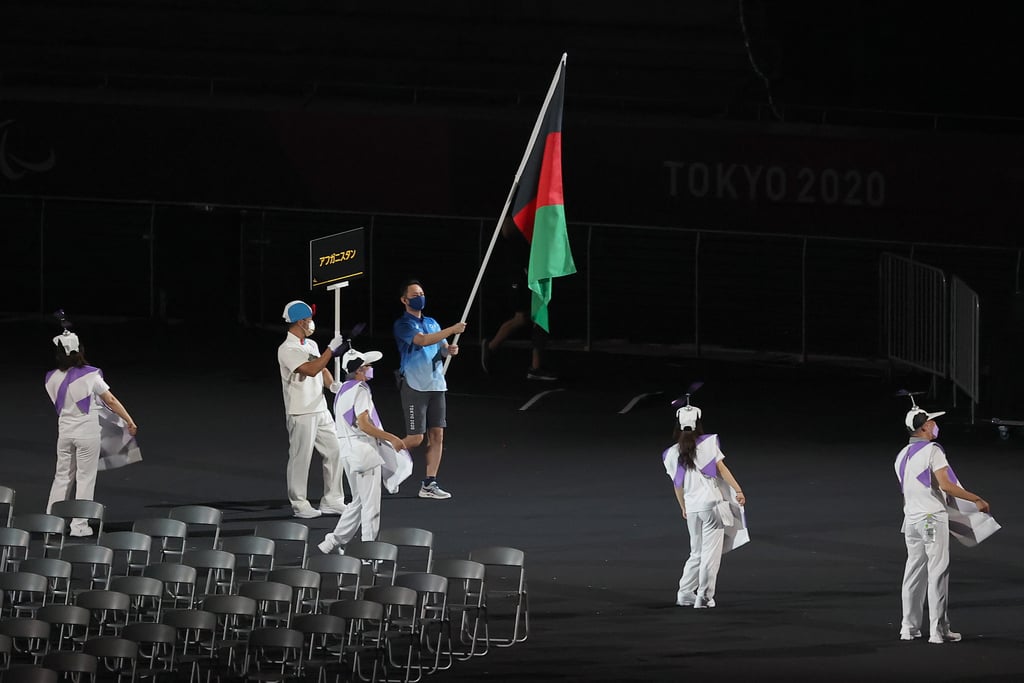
423 409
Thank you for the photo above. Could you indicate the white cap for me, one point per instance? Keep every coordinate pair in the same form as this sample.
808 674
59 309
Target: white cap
353 360
688 416
916 417
69 340
297 310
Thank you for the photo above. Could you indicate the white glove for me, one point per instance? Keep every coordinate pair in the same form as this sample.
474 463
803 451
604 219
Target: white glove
336 387
336 343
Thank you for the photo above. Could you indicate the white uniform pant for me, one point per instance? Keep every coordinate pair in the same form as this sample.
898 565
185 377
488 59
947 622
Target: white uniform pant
364 510
304 433
700 573
77 459
927 570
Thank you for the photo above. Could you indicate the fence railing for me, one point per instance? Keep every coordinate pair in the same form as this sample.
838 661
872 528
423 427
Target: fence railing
685 291
965 351
915 314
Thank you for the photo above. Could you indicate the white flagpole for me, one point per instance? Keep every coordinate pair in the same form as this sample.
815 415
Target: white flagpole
508 199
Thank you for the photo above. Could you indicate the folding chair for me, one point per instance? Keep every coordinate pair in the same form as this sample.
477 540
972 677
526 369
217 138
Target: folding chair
431 611
273 602
287 537
69 623
77 511
6 648
147 595
7 495
50 527
22 593
74 663
236 618
168 535
156 647
108 610
415 547
179 583
215 571
466 591
340 575
505 577
254 555
57 573
94 561
203 516
14 544
116 657
30 638
324 643
305 585
131 551
379 557
402 625
197 639
364 635
274 654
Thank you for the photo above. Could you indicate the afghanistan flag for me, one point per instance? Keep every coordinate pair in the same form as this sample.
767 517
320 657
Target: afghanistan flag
538 209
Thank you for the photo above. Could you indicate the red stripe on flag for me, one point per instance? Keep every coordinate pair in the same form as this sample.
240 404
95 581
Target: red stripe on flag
549 187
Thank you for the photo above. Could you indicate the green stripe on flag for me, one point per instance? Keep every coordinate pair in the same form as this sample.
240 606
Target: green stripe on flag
549 258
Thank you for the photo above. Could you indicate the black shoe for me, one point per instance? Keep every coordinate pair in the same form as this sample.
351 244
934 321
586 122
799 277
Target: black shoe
541 374
485 356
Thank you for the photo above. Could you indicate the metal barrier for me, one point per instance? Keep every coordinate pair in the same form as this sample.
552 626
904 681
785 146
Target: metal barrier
657 290
965 323
914 314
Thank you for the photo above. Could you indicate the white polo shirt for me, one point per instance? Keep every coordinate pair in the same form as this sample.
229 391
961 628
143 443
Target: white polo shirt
914 467
302 395
75 394
699 485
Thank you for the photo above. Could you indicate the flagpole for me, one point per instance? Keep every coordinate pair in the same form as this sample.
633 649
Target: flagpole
508 200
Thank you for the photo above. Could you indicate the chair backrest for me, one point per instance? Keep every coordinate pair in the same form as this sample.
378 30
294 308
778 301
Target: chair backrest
410 540
179 583
358 616
50 527
209 518
30 638
274 650
32 674
7 495
82 509
305 585
71 624
197 631
291 541
505 577
108 610
116 656
169 535
392 597
14 544
22 592
146 593
131 551
422 582
384 558
339 574
273 601
71 662
156 644
254 555
235 613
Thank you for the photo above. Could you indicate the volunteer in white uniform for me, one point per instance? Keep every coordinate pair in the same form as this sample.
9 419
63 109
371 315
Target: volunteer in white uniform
359 428
304 374
923 473
695 463
75 387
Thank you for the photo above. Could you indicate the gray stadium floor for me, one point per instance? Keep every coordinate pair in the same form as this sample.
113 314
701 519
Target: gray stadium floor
579 487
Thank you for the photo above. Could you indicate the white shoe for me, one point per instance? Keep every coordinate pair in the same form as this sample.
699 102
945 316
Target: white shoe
434 491
703 603
81 531
947 637
307 513
911 634
327 546
331 509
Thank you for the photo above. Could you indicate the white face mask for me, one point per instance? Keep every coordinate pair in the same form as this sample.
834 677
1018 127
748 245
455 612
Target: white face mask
310 328
368 374
935 431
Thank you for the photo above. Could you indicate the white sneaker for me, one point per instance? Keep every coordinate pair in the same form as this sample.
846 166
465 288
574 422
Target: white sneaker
947 637
434 491
911 634
703 603
331 509
306 513
327 546
81 531
684 602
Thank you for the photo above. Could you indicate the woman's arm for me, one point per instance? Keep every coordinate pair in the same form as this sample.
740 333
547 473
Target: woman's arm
958 492
731 481
367 427
118 408
679 497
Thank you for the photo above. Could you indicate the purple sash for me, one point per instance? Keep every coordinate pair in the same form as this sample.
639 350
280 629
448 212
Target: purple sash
924 477
62 391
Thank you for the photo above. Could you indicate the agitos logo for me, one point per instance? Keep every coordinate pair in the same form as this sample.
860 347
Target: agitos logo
13 166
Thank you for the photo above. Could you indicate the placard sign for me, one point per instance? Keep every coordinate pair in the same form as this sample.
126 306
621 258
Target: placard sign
336 258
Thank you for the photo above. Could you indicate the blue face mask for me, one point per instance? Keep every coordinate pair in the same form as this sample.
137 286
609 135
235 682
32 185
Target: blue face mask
417 303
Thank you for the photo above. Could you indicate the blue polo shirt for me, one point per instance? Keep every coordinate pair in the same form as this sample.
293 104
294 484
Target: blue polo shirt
422 366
